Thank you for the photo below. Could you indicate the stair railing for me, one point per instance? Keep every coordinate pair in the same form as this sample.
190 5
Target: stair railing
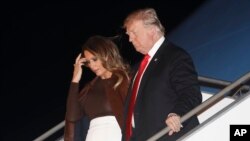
204 105
211 82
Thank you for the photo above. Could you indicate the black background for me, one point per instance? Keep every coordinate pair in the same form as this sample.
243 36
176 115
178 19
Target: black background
39 42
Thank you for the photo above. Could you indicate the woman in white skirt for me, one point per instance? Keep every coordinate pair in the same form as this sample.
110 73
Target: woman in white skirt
101 100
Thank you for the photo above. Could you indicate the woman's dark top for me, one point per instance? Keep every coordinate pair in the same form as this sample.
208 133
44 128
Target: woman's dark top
96 99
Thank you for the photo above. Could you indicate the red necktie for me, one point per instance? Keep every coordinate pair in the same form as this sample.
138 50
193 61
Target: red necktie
133 96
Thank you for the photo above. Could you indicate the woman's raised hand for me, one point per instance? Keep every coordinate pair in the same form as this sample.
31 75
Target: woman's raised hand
78 69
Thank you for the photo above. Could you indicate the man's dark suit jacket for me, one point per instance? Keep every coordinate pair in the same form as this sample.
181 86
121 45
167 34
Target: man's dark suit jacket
169 85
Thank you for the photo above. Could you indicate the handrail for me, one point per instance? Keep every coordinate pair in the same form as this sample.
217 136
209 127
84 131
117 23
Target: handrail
200 78
206 103
51 131
218 83
216 115
213 81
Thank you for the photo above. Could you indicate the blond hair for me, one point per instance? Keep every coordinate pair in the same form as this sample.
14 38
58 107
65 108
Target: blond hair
148 16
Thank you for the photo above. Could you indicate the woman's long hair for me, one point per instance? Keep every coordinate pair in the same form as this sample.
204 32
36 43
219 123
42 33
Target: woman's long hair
107 51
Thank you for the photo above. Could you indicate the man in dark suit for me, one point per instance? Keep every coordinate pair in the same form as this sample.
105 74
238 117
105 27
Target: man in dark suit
168 87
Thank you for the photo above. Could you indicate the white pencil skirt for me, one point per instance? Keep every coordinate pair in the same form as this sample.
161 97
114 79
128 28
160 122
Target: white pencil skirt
104 128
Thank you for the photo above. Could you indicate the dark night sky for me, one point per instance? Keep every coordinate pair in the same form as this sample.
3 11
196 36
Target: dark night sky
39 42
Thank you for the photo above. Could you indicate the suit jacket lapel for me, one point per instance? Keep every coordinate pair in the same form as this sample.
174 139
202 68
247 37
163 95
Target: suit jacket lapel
151 66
